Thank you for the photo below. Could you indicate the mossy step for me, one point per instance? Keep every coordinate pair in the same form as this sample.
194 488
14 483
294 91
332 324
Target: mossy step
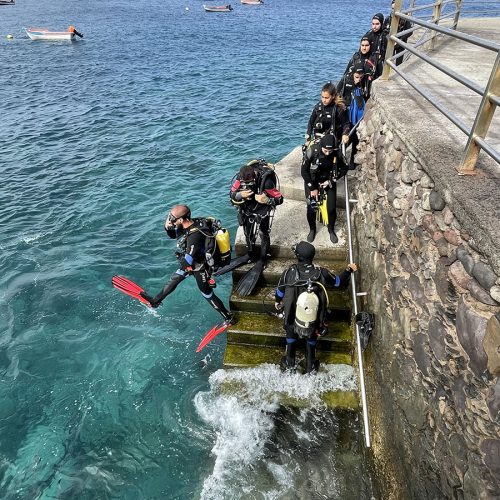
262 300
267 330
275 267
347 400
241 355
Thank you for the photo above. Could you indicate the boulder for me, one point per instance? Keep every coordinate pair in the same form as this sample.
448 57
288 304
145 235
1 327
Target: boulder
491 344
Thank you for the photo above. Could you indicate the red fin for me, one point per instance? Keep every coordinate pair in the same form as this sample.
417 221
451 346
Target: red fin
211 334
129 287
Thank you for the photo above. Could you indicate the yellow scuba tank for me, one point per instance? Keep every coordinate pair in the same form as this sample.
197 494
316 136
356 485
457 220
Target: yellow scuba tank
223 241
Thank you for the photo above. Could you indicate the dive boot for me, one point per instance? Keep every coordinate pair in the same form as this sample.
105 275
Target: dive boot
312 364
288 361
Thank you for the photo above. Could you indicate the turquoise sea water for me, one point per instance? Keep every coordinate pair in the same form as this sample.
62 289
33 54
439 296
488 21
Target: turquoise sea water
101 397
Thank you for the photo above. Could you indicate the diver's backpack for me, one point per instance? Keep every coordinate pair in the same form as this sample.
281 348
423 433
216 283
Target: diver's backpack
217 242
266 170
357 106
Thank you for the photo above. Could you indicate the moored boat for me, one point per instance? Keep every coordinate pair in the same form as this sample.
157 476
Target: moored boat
217 8
7 2
252 2
45 34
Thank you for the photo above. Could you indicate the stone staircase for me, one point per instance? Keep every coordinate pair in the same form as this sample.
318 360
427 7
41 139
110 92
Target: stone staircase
258 336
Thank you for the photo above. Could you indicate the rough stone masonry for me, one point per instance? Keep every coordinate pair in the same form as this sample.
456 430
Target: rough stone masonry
434 360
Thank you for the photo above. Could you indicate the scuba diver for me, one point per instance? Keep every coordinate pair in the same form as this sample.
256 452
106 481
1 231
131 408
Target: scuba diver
363 57
255 194
352 88
403 25
196 248
301 296
322 166
328 115
378 41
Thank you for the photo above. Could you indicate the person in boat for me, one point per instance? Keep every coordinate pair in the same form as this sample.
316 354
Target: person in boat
378 41
352 88
191 235
301 297
363 57
72 29
403 25
255 194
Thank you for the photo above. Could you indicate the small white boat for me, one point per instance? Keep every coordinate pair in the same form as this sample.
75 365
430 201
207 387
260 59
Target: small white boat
252 2
45 34
218 8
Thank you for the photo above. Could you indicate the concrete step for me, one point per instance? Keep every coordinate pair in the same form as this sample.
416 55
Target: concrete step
267 330
275 267
245 355
262 300
291 182
290 226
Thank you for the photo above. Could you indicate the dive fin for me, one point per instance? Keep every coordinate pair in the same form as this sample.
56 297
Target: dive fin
244 259
249 280
212 333
129 287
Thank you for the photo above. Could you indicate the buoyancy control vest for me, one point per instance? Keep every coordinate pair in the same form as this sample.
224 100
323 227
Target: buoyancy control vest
357 105
217 249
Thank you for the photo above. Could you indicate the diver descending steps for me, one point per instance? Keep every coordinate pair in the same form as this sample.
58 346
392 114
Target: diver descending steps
301 296
255 194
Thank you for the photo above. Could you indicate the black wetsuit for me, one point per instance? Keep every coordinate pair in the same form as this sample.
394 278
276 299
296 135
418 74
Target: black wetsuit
403 25
378 41
254 216
317 168
191 248
349 91
368 62
292 283
327 118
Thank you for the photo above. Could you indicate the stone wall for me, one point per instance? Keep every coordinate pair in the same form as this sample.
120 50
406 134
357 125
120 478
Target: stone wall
433 363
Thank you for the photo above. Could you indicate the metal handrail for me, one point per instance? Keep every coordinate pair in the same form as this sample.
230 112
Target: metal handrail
490 94
355 307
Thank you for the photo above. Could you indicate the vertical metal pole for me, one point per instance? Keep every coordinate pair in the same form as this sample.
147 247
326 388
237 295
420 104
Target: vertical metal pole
458 11
483 120
435 19
355 306
412 4
390 45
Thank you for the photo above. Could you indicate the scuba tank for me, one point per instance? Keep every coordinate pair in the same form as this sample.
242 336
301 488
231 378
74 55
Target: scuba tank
223 242
306 312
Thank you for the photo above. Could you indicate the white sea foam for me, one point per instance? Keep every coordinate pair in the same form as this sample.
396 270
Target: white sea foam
241 407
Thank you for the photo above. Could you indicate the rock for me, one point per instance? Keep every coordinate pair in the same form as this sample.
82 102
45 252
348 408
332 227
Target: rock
436 334
493 400
491 455
491 344
451 237
495 293
480 294
441 278
484 275
448 216
443 247
429 224
421 354
466 260
416 289
390 229
426 182
405 263
436 201
459 275
471 328
425 201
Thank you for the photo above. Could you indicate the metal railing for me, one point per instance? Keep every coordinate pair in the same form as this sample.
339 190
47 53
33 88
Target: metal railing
490 94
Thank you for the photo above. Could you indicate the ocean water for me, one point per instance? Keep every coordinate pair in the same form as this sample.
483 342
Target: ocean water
101 397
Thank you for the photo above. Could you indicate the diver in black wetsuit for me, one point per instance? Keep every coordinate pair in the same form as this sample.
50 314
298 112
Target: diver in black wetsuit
363 57
403 25
378 40
305 277
191 235
322 164
328 116
352 88
255 194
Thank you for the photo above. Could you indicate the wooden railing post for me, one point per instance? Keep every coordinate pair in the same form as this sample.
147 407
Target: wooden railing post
398 4
482 121
436 16
458 11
